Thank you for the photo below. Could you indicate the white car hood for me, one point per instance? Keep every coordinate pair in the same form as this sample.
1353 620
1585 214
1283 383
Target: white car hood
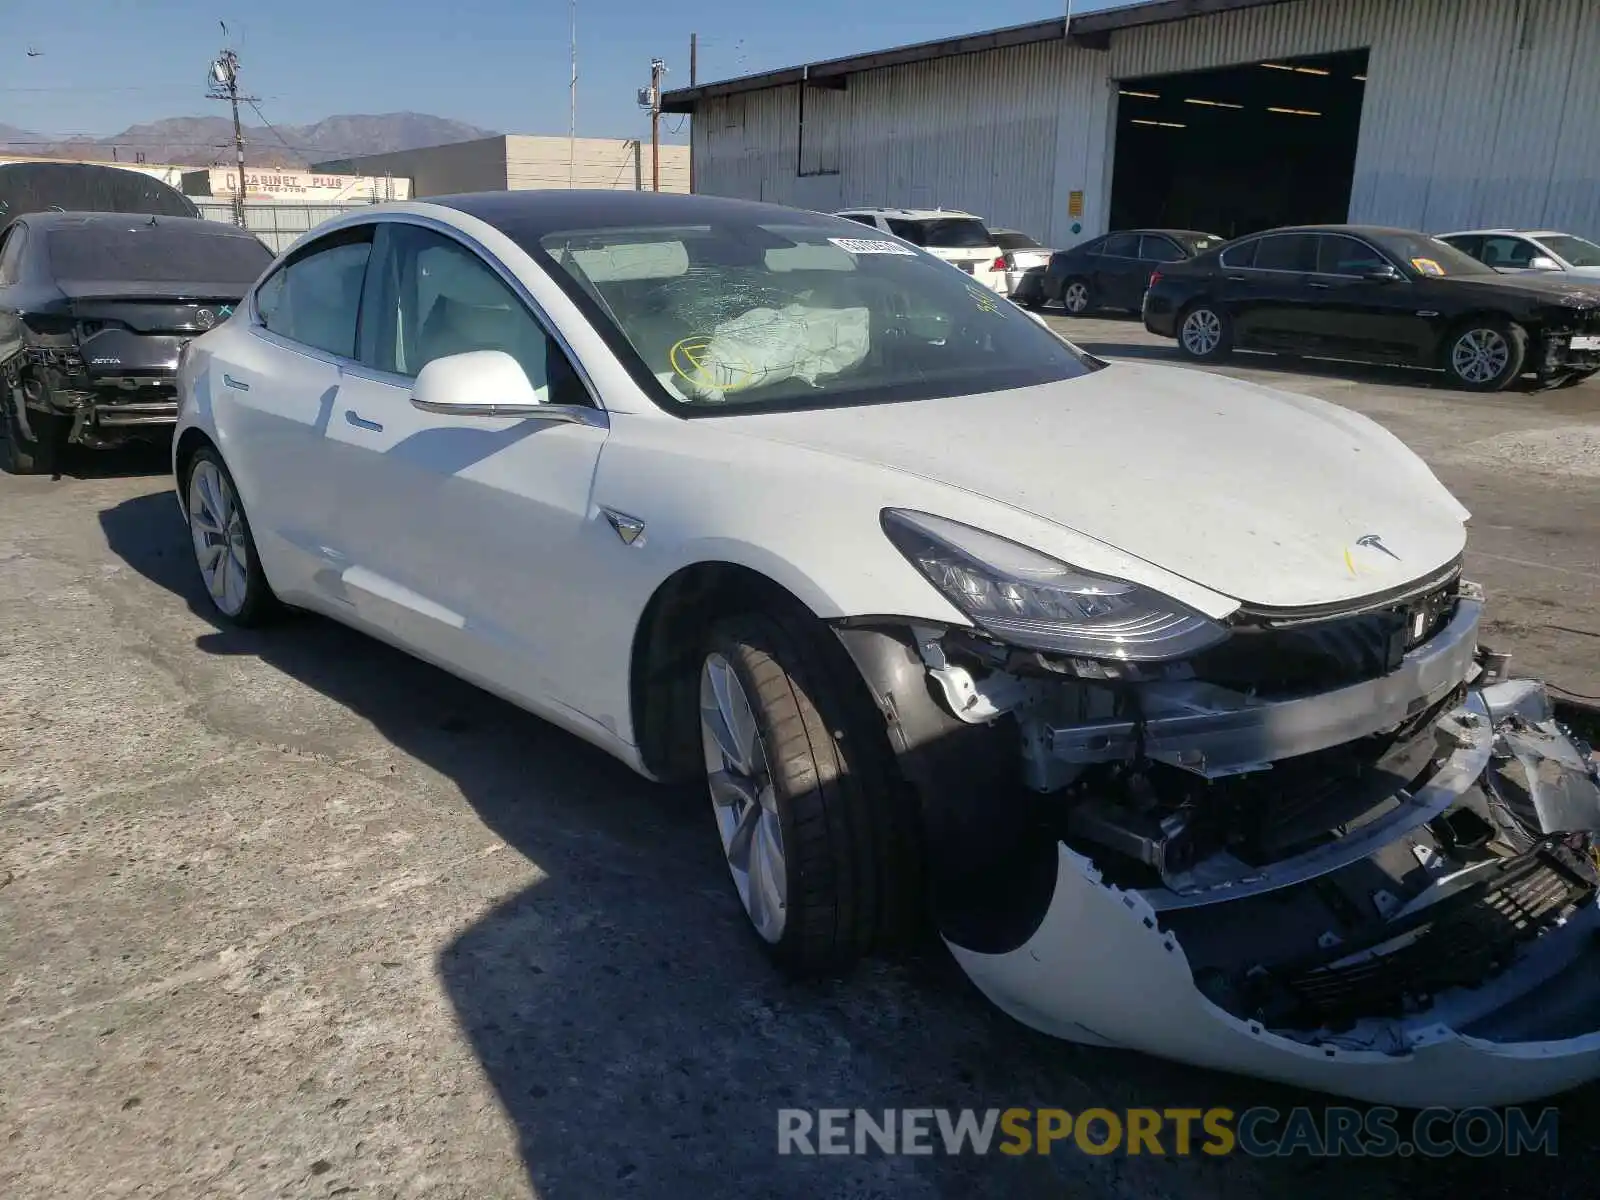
1269 498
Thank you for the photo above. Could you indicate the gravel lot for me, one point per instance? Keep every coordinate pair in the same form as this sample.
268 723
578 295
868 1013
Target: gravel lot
293 915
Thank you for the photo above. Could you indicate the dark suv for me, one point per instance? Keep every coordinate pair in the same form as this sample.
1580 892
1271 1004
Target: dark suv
94 311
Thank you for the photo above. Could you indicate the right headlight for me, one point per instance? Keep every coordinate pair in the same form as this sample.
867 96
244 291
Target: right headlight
1031 600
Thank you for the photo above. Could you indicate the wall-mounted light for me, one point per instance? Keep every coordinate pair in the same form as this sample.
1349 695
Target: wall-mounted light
1161 124
1312 71
1214 103
1359 78
1141 95
1294 112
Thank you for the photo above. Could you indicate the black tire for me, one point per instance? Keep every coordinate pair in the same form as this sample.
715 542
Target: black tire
259 605
40 454
1491 334
851 842
1209 318
1070 296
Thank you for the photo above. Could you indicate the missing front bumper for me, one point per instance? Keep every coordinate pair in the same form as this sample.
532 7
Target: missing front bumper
1132 967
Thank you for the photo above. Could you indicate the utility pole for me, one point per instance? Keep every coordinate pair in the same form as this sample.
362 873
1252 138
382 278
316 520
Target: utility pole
694 77
572 102
224 85
657 70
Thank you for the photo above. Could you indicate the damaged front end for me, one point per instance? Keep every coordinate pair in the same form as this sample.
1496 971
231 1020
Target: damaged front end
1337 848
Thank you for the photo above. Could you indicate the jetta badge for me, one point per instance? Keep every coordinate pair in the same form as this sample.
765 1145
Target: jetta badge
1373 542
205 318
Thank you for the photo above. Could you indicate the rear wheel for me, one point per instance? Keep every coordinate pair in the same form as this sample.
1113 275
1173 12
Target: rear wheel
224 548
1076 297
1486 355
816 826
1205 333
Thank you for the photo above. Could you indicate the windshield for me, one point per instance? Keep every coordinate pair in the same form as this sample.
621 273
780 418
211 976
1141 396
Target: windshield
755 314
1579 252
145 253
1429 256
944 233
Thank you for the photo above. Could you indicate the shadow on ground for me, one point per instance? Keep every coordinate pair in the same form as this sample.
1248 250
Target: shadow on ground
129 461
639 1042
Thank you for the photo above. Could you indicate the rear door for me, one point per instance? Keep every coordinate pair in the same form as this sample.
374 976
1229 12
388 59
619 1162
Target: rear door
1119 276
466 533
1156 249
279 382
1264 283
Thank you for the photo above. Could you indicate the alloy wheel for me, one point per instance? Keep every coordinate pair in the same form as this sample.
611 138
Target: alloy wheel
742 797
217 524
1076 297
1480 355
1202 332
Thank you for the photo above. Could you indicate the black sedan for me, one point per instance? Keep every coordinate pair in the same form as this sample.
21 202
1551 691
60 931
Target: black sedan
94 310
1109 271
1377 295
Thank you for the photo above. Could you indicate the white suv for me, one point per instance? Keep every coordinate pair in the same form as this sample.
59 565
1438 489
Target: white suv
957 237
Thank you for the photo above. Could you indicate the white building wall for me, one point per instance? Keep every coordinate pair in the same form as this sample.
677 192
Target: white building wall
1477 112
1006 134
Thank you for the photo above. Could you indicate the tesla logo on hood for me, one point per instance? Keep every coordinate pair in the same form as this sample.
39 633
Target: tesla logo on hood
1367 541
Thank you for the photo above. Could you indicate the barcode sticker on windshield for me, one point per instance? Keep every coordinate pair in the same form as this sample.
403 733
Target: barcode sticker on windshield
870 246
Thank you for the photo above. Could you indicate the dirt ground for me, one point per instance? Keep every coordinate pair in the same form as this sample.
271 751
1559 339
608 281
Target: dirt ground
290 914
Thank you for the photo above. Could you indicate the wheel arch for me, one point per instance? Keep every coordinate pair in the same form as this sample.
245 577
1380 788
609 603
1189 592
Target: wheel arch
190 443
662 684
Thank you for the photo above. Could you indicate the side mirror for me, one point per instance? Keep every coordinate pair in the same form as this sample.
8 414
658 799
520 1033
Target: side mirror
478 383
1543 262
1384 274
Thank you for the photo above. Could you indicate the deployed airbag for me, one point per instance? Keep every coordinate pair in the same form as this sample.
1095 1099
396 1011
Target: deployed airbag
765 346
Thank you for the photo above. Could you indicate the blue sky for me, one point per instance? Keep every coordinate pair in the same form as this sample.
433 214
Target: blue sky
108 64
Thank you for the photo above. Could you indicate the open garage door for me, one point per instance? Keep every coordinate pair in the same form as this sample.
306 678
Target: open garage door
1239 149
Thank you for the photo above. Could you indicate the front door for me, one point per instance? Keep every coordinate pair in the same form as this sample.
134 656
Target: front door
281 383
1349 314
467 530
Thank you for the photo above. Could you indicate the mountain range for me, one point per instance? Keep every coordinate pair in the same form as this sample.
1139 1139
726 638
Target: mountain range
201 141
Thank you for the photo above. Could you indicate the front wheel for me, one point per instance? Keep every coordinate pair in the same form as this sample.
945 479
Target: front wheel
224 547
1205 333
1486 355
814 822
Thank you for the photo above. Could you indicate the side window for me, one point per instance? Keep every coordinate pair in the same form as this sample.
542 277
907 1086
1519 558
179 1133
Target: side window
861 218
912 231
1287 252
1242 255
1337 255
1121 245
11 254
1096 246
1467 245
315 297
1155 248
1507 252
434 297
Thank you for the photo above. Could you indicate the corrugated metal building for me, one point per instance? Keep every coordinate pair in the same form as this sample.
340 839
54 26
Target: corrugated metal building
515 162
1470 112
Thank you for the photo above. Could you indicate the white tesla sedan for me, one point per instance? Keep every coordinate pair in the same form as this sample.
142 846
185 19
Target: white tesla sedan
1158 691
